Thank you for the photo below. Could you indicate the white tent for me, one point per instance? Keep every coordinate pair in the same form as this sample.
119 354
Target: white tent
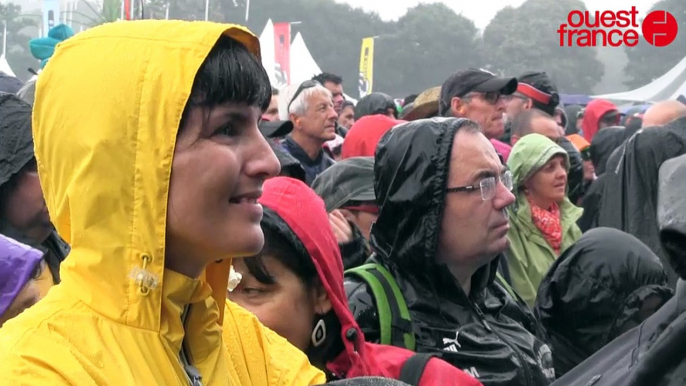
5 67
268 51
303 66
668 86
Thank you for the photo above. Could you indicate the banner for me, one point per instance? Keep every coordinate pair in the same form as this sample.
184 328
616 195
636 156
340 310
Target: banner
51 15
366 67
127 9
282 52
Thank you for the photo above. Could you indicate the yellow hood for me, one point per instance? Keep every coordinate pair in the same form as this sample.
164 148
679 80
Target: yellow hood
105 120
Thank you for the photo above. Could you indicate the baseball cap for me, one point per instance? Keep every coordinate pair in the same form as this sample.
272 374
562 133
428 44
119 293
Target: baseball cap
275 129
463 82
537 86
351 179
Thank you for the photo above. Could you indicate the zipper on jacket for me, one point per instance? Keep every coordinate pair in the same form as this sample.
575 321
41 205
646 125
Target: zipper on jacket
192 373
520 357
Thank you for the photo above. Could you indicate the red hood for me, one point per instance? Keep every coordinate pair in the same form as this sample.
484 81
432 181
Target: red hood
305 214
365 134
594 111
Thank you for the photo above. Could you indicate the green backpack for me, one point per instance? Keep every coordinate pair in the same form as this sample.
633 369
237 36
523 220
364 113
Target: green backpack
395 324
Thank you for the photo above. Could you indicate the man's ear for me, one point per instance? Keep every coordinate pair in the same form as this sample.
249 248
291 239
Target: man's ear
529 104
457 107
295 119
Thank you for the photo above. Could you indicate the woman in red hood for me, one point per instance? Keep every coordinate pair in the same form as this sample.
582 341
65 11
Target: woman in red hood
295 287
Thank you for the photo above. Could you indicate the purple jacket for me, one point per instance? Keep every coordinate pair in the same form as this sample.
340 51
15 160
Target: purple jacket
17 263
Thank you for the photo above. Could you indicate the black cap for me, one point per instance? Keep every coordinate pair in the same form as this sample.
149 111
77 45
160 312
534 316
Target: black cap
463 82
538 80
275 129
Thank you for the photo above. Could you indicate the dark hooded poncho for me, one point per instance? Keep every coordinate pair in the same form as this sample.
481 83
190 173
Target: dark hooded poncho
651 354
495 332
629 199
594 292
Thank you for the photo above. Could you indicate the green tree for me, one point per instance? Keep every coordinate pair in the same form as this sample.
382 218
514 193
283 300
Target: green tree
526 39
647 62
427 44
18 55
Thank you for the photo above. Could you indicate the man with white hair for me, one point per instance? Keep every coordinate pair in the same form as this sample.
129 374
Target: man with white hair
312 112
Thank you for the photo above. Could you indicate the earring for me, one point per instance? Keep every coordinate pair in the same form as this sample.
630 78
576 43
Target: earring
319 333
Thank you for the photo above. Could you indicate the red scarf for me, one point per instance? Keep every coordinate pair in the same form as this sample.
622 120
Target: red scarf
548 223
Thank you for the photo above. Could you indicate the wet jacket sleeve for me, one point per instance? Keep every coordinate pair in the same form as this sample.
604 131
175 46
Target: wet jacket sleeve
438 372
362 305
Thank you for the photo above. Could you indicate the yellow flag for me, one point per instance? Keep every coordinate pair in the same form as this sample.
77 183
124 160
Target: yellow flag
366 67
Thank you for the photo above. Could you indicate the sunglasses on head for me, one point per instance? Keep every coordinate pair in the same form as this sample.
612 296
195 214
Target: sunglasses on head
303 86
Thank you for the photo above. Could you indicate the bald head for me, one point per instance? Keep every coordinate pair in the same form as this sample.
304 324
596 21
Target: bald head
663 112
534 121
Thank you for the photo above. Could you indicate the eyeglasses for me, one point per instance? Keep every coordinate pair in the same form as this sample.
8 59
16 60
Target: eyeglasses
303 86
487 186
492 97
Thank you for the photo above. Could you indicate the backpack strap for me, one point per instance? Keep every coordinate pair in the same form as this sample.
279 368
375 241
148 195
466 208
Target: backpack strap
413 368
395 323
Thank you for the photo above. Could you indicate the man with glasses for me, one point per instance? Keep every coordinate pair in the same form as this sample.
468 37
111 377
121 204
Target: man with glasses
476 94
442 226
312 112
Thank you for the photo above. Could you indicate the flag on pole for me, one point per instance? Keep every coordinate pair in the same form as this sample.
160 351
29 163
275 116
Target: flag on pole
127 9
366 67
282 47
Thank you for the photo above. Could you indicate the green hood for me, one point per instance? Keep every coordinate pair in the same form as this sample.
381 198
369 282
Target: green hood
530 154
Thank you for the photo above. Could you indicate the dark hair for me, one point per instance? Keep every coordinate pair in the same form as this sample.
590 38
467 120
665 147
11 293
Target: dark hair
275 91
346 104
328 77
230 73
294 257
521 124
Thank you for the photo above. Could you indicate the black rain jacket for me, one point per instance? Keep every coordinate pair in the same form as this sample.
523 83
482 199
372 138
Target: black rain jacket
488 334
629 199
651 354
596 291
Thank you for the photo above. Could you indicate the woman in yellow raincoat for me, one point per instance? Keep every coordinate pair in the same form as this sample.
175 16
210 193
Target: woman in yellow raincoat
151 163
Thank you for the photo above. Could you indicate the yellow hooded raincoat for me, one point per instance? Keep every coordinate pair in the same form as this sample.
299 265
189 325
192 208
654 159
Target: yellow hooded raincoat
106 116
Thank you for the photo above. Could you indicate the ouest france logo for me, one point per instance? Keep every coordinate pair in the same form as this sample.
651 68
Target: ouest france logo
617 28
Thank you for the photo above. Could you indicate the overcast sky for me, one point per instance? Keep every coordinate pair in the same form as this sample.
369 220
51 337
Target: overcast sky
482 11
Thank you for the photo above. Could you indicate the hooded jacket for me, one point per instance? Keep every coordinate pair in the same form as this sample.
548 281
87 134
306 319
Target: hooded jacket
312 167
487 333
298 214
603 145
373 104
16 151
652 353
594 292
17 264
530 255
119 317
592 114
629 199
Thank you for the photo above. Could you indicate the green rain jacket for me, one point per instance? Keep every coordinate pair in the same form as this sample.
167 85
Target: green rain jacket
530 255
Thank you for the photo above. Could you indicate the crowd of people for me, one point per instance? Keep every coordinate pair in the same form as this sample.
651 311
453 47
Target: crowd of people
169 218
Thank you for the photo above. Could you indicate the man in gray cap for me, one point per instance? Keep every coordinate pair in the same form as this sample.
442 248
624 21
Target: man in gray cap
347 189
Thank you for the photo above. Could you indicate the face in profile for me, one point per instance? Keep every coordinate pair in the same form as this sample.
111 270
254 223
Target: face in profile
474 229
319 120
220 163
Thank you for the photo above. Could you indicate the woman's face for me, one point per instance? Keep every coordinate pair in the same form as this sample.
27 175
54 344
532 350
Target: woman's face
220 163
288 307
549 184
347 117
